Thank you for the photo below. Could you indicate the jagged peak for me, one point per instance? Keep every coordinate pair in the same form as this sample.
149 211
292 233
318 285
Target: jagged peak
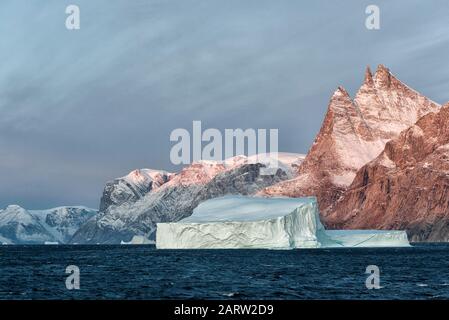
368 84
340 101
382 68
385 79
340 92
382 77
368 76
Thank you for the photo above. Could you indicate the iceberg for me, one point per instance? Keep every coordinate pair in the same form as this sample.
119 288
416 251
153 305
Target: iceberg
51 243
234 222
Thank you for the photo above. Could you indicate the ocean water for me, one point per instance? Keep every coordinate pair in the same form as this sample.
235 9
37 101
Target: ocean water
142 272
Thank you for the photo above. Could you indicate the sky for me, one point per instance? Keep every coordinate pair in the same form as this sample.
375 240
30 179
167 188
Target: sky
81 107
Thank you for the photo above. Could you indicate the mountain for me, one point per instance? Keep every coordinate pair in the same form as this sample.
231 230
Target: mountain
370 166
132 187
353 133
18 226
177 198
405 187
21 226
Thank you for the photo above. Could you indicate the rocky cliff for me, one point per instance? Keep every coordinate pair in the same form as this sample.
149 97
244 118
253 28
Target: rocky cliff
354 132
405 187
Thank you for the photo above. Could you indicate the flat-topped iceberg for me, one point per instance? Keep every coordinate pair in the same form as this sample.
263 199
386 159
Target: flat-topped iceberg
265 223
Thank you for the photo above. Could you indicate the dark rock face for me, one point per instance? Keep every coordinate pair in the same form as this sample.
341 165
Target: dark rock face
91 233
112 197
18 233
68 217
427 231
132 187
66 220
169 204
406 187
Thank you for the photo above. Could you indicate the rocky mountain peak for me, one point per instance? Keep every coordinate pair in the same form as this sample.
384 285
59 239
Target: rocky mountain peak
342 114
353 133
406 187
132 186
368 87
340 93
382 77
368 77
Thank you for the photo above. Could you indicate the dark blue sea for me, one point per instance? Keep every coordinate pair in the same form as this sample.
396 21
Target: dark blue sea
142 272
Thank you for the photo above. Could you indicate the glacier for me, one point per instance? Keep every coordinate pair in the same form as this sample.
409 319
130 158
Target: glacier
233 222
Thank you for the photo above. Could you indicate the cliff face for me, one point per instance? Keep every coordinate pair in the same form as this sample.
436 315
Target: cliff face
353 133
405 187
132 187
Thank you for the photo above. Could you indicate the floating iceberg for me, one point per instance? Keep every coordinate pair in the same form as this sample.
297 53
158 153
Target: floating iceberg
265 223
51 243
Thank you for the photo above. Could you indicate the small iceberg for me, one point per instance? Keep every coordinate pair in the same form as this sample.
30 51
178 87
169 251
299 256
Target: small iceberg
51 243
239 222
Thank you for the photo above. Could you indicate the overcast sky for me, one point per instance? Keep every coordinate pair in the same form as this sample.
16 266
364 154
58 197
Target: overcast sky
78 108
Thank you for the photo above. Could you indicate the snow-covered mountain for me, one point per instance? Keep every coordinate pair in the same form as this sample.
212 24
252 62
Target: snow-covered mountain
17 225
359 166
21 226
353 133
177 198
132 187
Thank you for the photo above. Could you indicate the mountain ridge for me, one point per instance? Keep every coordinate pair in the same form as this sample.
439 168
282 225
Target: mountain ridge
405 187
56 225
357 143
177 198
354 132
